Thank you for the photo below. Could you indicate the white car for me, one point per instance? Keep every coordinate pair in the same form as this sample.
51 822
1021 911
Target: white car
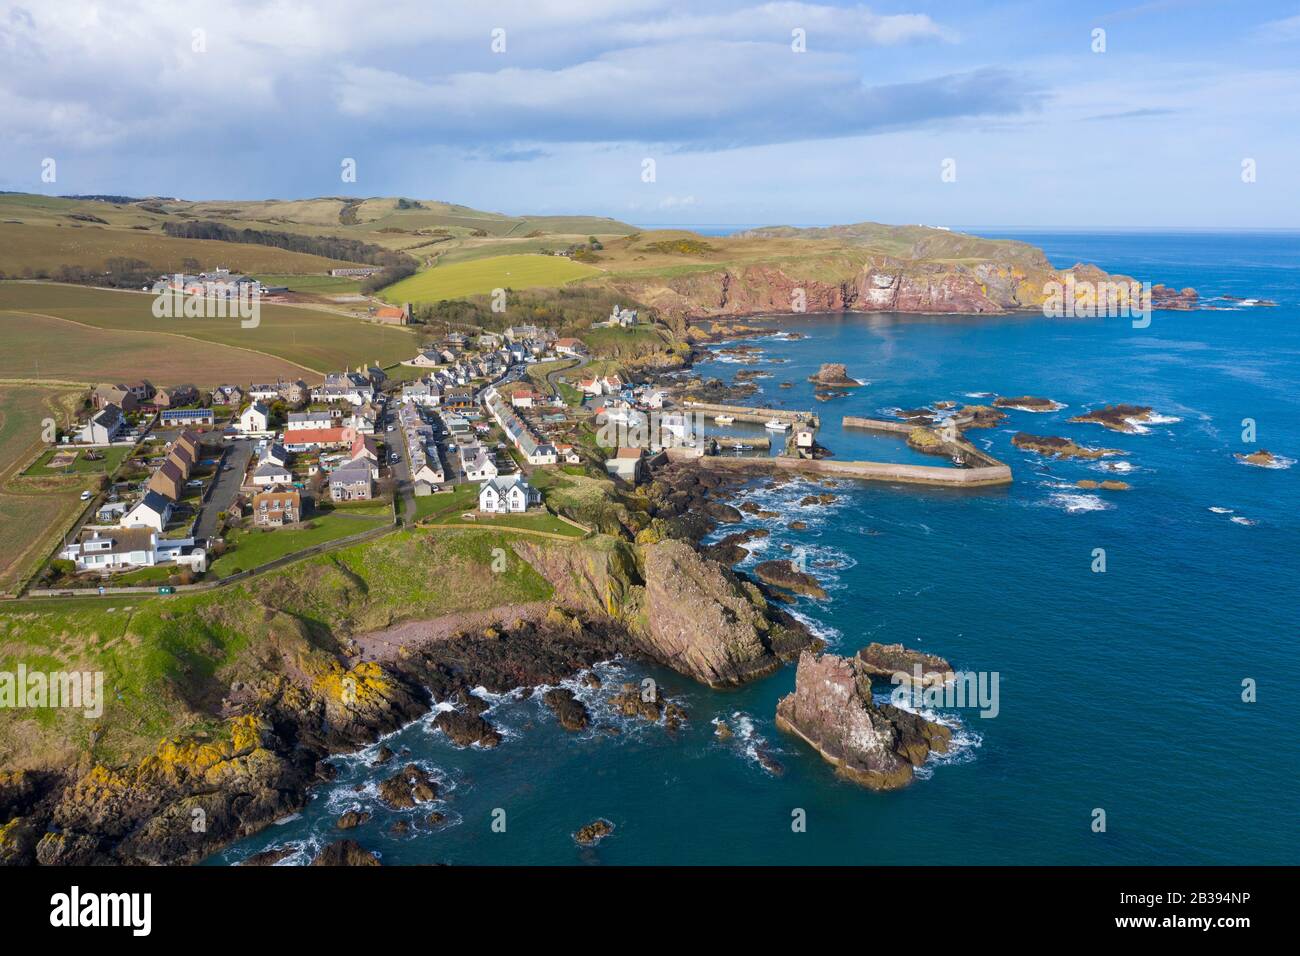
86 496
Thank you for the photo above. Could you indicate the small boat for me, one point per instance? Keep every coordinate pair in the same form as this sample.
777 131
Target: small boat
777 425
724 419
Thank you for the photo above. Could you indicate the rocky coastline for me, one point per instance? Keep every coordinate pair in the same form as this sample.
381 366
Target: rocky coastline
646 591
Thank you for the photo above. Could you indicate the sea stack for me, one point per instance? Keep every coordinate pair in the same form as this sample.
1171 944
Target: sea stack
875 745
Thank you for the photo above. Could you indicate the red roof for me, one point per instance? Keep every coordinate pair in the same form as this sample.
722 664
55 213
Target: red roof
390 312
318 436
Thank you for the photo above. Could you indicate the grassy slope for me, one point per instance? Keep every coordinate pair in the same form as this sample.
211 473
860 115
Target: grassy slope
318 340
254 547
168 660
483 275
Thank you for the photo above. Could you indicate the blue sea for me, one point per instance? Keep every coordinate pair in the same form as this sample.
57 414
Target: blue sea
1119 691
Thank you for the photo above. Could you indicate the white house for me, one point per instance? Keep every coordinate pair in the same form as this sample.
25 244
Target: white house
151 511
104 549
255 419
510 494
103 427
477 463
268 474
328 418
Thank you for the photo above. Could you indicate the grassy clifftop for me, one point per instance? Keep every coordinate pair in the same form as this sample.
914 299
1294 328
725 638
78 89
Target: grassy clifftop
168 661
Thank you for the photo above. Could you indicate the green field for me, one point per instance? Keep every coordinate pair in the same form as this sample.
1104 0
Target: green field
483 275
81 466
312 340
253 547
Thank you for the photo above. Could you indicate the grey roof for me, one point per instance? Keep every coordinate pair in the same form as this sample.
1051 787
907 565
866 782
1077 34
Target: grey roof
154 501
354 470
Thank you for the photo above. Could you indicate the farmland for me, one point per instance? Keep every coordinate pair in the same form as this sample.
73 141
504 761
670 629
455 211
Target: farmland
311 339
33 512
43 347
313 284
27 249
483 275
396 224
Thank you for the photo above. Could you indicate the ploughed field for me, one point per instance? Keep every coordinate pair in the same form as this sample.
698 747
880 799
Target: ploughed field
288 340
34 510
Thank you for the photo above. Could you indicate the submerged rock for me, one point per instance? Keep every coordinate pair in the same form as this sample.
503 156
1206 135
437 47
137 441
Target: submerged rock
874 745
1108 485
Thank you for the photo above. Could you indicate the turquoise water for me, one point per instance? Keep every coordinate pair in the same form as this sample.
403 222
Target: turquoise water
1119 691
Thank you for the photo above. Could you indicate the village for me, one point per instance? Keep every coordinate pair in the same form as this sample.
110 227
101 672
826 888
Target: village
237 477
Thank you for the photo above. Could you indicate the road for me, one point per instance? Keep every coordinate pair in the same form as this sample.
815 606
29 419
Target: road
403 489
230 476
564 369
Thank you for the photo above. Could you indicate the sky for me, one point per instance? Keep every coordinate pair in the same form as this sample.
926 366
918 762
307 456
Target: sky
1161 114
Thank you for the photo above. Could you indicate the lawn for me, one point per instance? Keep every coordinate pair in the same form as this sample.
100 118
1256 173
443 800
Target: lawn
81 465
463 279
448 508
252 547
159 574
310 339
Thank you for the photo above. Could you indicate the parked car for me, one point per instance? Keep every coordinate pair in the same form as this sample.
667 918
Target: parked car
86 496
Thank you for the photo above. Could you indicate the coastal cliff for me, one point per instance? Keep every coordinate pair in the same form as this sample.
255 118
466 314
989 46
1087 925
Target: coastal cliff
866 267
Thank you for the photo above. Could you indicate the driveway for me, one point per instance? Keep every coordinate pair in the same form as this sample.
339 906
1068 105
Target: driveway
227 484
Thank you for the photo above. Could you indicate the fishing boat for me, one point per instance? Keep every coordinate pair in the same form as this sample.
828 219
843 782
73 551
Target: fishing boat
724 419
776 425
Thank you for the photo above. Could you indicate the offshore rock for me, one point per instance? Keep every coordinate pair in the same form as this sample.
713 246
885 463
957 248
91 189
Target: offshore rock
874 745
